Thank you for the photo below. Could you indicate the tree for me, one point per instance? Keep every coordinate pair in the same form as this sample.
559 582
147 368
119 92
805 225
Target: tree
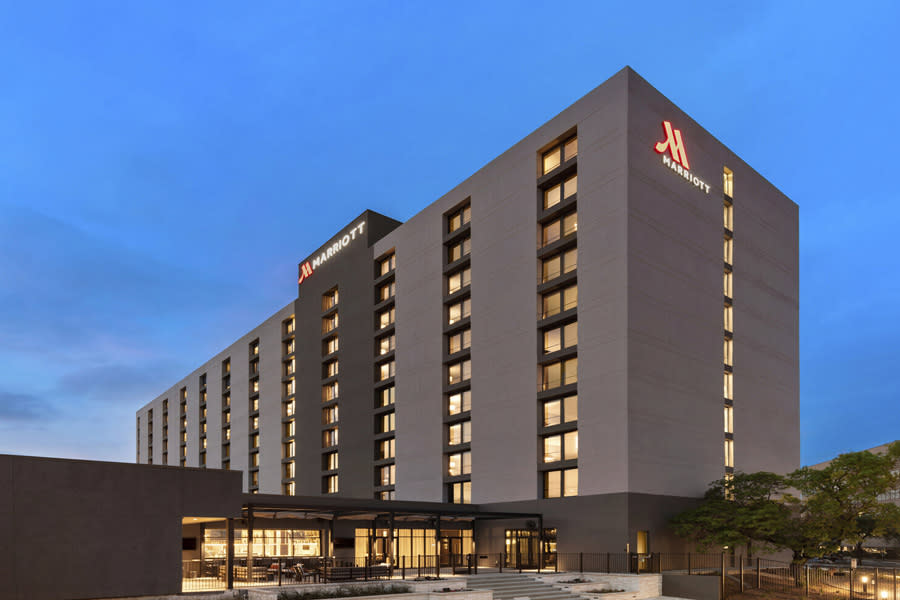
811 512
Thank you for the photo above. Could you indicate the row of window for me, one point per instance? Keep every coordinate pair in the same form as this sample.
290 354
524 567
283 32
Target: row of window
385 422
330 434
288 399
728 343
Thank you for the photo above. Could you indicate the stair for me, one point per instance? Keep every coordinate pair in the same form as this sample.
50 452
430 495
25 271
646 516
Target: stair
516 585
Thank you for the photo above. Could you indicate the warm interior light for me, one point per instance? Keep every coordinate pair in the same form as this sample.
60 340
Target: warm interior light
884 594
864 579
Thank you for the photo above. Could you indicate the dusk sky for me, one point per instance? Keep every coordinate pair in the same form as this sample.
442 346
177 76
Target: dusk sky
166 165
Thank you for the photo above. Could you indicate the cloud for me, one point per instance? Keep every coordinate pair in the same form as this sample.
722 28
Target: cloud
18 407
115 382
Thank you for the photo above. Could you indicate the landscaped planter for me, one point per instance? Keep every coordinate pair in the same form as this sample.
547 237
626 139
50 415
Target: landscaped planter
637 587
419 590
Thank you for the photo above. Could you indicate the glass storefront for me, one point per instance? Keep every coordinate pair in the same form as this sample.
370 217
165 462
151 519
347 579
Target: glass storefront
412 543
523 548
266 542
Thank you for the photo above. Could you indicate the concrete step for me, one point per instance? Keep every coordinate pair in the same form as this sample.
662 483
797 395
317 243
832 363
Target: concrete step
519 585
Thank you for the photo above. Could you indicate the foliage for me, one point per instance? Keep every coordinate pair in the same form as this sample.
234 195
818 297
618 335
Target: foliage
375 589
811 512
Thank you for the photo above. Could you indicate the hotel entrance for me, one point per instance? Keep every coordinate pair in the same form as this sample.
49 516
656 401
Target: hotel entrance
523 549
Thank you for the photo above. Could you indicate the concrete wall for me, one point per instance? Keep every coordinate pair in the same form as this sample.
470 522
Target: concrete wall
695 587
79 529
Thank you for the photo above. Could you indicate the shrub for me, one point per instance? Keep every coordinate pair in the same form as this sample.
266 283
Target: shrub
375 589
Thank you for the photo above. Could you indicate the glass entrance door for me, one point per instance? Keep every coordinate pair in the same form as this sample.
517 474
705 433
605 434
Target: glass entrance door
451 550
523 549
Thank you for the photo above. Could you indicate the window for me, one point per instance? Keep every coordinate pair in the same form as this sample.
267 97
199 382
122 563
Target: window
330 345
254 405
254 367
226 400
386 265
729 387
459 341
554 157
288 408
287 388
729 216
558 301
329 323
561 483
460 492
330 461
254 423
459 280
559 373
385 344
385 475
288 326
559 264
287 449
385 318
254 440
729 325
386 396
330 437
385 370
559 228
330 484
288 368
459 433
330 368
561 410
570 148
386 291
329 299
384 449
385 423
459 372
288 489
329 415
287 470
254 348
226 365
459 311
459 402
226 432
459 249
459 464
726 284
728 182
561 191
728 356
254 478
727 253
560 337
561 447
385 495
729 453
729 419
459 218
330 391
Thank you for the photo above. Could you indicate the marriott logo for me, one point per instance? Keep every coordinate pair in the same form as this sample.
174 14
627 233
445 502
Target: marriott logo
678 161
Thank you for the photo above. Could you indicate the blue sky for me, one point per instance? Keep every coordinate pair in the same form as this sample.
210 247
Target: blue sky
165 166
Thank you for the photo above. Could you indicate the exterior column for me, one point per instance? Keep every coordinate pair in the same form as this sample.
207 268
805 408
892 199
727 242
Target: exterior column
229 554
249 577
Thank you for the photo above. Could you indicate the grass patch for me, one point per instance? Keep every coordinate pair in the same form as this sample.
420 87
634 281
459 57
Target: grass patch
375 589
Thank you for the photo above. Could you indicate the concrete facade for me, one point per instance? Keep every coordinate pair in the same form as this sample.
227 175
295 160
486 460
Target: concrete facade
649 319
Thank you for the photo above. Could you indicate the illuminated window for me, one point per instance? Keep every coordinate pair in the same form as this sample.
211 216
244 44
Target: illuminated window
386 318
559 373
330 437
254 348
726 284
559 228
330 461
385 423
459 464
288 367
727 252
561 191
729 386
459 341
561 447
385 370
330 368
330 391
560 483
386 265
558 301
560 337
330 345
728 211
254 478
561 410
460 492
729 325
459 433
385 475
459 280
459 372
254 405
459 402
330 484
570 148
287 450
329 299
385 344
386 396
288 408
459 249
254 423
551 159
559 264
729 453
329 415
329 323
384 449
728 182
729 419
288 388
386 291
226 365
728 357
459 218
288 489
254 440
459 311
287 470
288 326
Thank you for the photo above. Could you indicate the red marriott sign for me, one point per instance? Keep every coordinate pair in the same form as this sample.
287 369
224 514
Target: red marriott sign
678 161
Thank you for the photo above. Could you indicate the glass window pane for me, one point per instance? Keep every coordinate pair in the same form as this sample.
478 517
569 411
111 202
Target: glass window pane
552 413
570 186
551 160
570 443
571 148
552 375
571 371
552 484
570 334
551 304
570 260
551 268
571 482
552 196
552 448
550 233
570 297
571 409
570 224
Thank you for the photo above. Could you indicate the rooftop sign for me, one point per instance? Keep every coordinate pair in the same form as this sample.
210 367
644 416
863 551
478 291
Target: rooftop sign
679 160
308 267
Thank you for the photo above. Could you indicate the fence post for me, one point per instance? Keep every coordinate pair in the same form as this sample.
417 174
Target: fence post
875 584
722 578
851 583
502 560
556 564
742 575
758 575
581 562
607 562
806 579
689 564
437 565
279 571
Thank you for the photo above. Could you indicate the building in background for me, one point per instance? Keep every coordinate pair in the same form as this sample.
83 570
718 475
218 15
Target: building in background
592 327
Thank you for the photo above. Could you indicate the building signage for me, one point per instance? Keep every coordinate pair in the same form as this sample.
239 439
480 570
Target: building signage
678 161
307 268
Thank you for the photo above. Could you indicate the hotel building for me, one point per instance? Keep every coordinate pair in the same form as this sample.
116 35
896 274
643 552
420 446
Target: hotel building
592 327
